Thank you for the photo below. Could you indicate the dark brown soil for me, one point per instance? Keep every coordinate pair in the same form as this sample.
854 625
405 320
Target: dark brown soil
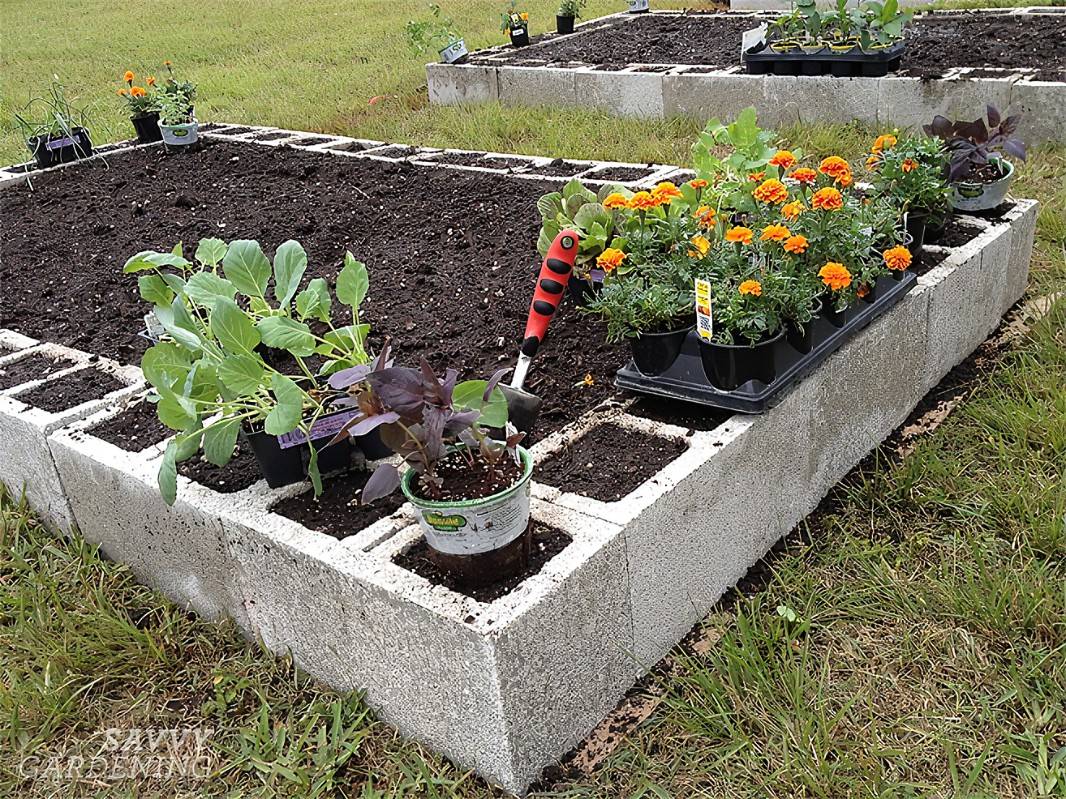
930 260
337 512
234 131
479 159
237 475
396 151
608 462
32 367
271 135
683 414
71 390
134 429
451 277
547 542
935 43
558 169
623 174
462 480
956 233
307 141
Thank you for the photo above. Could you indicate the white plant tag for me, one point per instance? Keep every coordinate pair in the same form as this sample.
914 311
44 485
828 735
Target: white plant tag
152 327
752 38
704 311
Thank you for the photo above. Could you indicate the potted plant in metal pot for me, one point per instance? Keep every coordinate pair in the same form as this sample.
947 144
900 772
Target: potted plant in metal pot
233 363
437 34
53 128
569 11
177 122
979 172
142 102
470 492
515 24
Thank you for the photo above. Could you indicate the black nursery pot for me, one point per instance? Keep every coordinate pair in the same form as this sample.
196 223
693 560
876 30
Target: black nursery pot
519 37
282 467
654 353
916 225
564 24
371 445
729 366
801 339
147 127
581 290
831 314
51 150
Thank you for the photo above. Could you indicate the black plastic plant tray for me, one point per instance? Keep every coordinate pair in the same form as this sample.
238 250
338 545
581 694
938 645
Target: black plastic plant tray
854 63
686 380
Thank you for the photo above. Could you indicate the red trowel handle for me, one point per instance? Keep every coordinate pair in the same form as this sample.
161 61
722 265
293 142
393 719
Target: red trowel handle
551 283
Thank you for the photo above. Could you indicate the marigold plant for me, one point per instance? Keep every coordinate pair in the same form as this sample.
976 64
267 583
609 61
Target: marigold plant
775 233
739 235
752 287
835 276
897 258
827 199
771 191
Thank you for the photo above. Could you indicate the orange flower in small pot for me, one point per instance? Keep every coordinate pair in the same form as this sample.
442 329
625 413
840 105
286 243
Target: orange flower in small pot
885 141
700 246
835 276
610 259
752 287
615 201
771 191
739 235
783 160
898 259
143 106
643 201
827 199
775 233
706 217
796 245
909 165
698 184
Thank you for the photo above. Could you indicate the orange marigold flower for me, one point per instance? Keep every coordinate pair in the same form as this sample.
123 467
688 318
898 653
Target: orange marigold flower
137 91
775 233
898 258
784 159
909 165
862 291
827 199
700 247
615 200
771 191
797 245
792 210
167 63
698 183
705 216
129 76
150 80
873 161
835 276
837 168
755 177
610 259
739 235
665 192
883 142
642 201
804 175
752 287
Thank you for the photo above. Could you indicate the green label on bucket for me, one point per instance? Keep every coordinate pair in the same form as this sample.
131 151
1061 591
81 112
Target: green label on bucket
445 524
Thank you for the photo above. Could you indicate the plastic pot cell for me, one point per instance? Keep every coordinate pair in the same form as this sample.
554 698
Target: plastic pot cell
53 149
285 460
654 353
729 366
564 24
147 127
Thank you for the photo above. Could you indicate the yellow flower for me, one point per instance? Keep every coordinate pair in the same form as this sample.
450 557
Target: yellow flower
827 199
739 235
615 200
835 276
665 192
873 161
610 259
897 258
792 210
705 216
700 246
784 159
775 233
771 191
137 91
642 201
752 287
883 142
804 175
129 76
797 245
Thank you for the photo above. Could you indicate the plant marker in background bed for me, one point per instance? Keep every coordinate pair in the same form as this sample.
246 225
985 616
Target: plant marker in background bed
555 273
437 34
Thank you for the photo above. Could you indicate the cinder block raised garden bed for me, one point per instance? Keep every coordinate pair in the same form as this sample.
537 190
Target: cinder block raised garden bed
668 64
625 559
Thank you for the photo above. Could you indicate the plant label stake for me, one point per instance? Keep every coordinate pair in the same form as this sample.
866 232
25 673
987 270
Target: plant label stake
704 313
555 272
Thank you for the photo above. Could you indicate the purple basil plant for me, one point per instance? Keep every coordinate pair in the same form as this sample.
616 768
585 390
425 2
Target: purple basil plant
418 417
972 145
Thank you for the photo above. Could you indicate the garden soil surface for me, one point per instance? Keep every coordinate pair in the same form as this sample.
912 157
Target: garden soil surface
71 390
337 511
935 43
32 367
134 429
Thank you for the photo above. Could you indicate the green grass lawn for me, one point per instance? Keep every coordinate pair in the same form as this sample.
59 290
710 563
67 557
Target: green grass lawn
929 653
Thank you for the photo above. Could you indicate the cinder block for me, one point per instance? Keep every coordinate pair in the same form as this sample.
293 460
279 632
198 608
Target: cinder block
629 94
456 84
1022 219
11 341
536 86
25 459
913 102
820 99
180 550
1043 106
714 95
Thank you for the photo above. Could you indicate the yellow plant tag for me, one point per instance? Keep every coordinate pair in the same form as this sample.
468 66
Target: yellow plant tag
704 312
